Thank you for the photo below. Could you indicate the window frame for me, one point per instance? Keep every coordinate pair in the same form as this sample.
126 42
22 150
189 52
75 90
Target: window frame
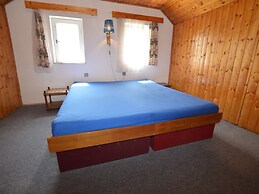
53 20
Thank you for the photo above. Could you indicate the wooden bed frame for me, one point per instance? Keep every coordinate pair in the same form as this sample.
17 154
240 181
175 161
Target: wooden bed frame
72 149
95 138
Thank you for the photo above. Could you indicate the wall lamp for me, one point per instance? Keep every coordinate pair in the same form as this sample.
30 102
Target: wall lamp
108 29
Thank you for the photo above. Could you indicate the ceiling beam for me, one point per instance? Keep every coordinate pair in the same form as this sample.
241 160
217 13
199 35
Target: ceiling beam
59 7
5 2
117 14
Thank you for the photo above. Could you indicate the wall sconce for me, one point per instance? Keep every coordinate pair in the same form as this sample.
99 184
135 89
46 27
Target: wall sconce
108 29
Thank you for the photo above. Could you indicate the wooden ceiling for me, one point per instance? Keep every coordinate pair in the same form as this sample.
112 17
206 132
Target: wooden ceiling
178 10
4 2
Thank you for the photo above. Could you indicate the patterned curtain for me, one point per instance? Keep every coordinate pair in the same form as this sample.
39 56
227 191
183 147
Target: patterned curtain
42 49
153 52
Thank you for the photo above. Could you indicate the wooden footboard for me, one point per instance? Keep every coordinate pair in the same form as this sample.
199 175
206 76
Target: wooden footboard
94 138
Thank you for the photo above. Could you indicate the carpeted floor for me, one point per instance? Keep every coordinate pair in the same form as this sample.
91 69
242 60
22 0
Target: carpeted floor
227 163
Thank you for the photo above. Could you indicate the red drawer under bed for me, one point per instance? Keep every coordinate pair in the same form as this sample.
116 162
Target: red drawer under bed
83 157
175 138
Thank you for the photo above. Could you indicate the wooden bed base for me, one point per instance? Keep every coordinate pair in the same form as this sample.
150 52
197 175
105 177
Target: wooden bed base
89 148
95 138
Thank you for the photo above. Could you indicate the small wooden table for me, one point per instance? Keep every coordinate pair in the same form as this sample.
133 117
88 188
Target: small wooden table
54 92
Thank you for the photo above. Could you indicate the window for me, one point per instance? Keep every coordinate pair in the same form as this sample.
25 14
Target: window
134 44
67 39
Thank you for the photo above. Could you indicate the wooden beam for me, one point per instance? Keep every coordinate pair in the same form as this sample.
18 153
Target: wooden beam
58 7
139 3
5 2
117 14
94 138
187 123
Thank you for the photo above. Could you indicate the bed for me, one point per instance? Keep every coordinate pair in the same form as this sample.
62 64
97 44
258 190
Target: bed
104 121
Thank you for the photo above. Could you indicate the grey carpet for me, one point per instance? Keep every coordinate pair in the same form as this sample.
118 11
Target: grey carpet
227 163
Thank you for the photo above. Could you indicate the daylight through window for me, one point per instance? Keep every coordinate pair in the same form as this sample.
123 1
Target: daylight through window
67 39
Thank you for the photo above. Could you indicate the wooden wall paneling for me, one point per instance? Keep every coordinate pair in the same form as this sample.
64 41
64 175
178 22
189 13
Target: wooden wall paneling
219 58
231 107
209 53
221 38
174 58
9 86
181 10
201 85
183 57
226 89
253 118
188 43
189 56
178 51
179 54
191 50
213 61
195 60
252 90
173 55
3 73
200 54
251 42
224 58
178 10
13 90
204 81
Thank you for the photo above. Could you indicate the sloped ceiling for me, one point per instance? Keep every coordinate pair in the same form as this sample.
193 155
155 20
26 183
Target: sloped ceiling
178 10
4 2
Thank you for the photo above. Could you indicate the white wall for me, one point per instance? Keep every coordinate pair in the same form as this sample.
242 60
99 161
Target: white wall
97 64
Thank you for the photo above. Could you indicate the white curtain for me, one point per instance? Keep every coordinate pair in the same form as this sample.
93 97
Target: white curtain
133 44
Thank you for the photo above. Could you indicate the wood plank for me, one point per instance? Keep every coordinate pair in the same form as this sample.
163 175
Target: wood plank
139 3
199 66
117 14
59 7
251 90
209 54
10 98
5 2
175 56
94 138
192 56
189 56
224 58
182 56
247 62
221 41
186 123
227 69
182 10
213 55
189 45
232 107
201 81
88 139
195 61
227 88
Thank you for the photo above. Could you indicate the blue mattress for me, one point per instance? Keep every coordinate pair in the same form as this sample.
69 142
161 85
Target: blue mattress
101 105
